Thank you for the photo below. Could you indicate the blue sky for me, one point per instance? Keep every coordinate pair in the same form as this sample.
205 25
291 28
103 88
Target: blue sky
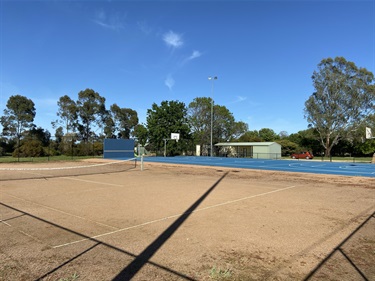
136 53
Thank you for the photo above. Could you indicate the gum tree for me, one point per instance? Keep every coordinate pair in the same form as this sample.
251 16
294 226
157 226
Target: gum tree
18 116
344 96
225 127
124 120
91 112
67 113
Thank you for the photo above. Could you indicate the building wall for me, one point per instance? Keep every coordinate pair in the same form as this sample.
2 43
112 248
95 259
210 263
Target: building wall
275 148
272 151
253 150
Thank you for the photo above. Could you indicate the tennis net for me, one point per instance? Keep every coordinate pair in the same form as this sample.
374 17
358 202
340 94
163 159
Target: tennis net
64 169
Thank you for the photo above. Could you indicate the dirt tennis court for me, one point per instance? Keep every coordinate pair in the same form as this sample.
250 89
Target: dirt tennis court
177 222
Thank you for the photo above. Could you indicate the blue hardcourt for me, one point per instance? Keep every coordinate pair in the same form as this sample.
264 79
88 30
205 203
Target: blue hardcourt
302 166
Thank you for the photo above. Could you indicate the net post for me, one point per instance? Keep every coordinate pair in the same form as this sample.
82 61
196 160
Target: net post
142 162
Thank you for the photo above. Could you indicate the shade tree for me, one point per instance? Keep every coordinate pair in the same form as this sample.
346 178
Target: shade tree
18 116
164 119
344 96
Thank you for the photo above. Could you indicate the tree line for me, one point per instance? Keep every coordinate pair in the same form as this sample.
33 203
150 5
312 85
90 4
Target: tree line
338 111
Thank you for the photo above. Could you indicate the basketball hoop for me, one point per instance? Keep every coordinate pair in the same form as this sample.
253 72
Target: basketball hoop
175 136
369 133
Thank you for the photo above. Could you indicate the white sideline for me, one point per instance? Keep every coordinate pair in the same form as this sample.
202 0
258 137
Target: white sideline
60 211
173 216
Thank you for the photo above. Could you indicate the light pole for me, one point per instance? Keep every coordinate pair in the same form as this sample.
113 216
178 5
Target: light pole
213 78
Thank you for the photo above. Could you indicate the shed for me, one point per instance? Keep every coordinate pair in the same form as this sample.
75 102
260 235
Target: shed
261 150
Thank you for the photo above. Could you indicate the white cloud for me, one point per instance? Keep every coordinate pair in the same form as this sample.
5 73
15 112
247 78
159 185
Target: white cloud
112 21
173 39
169 82
194 55
239 99
144 27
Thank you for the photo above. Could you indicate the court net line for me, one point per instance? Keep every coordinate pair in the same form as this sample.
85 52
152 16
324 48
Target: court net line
173 216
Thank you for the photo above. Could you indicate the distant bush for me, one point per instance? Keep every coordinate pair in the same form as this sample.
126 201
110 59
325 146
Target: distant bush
30 148
288 147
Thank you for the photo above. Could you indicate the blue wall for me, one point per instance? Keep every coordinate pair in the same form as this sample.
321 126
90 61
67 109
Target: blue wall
118 148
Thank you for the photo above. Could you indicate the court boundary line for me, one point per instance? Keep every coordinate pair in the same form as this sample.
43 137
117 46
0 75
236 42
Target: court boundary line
60 211
97 241
174 216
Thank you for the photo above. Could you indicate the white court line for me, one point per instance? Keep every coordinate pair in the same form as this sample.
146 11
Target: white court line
4 222
95 182
173 216
23 232
62 212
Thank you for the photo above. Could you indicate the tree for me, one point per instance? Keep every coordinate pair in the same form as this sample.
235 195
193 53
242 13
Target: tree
199 112
125 119
264 134
109 125
140 132
29 148
39 134
250 136
288 147
169 117
267 134
224 128
18 116
238 129
307 140
283 135
91 111
67 112
344 95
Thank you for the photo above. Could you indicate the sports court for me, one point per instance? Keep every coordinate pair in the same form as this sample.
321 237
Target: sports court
304 166
183 222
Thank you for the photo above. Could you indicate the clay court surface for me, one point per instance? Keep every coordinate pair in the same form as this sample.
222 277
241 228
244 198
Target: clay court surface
179 222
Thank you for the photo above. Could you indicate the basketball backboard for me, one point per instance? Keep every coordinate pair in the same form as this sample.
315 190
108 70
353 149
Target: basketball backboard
175 136
368 133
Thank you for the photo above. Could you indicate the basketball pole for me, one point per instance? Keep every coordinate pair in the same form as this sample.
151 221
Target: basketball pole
165 145
174 136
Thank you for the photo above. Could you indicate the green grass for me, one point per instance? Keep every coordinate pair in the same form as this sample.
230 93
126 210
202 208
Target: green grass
346 159
340 159
10 159
217 273
74 277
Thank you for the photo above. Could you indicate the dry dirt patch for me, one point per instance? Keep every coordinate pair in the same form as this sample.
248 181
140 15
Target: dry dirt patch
253 225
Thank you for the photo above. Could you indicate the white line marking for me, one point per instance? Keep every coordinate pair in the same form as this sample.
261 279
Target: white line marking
95 182
4 222
23 232
62 212
173 216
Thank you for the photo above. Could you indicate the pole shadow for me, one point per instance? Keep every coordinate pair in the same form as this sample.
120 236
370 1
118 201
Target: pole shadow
136 265
97 243
340 250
